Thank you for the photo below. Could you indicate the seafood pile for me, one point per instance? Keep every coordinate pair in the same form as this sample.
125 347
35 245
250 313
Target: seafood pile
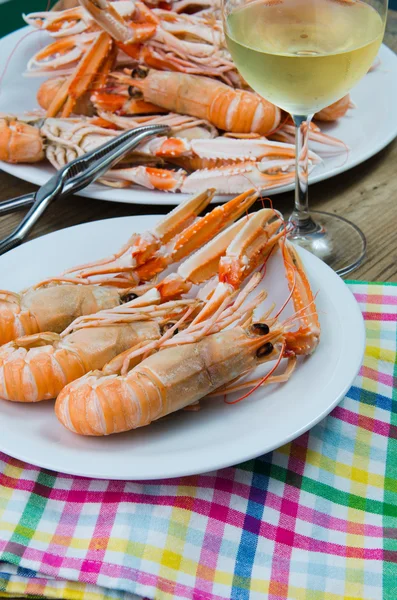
111 66
174 316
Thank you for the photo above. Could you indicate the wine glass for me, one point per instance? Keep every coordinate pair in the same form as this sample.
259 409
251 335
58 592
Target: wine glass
303 55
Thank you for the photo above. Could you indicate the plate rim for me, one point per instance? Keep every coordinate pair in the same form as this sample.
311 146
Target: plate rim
164 198
357 350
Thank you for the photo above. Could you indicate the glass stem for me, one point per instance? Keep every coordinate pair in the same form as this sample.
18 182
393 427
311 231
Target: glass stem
300 216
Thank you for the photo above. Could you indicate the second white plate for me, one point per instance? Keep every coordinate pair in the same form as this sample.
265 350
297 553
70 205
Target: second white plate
366 129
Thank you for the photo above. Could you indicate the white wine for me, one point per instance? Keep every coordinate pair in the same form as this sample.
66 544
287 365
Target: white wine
302 55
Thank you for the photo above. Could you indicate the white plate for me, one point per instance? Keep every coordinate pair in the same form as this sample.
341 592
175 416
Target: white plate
366 129
186 443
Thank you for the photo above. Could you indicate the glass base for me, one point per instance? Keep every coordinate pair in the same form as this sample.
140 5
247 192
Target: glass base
335 240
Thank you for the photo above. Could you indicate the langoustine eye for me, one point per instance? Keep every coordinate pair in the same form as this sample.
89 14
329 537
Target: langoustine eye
129 297
265 350
168 326
260 328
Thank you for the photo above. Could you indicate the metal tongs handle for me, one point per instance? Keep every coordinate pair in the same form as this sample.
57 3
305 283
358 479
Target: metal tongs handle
76 175
9 206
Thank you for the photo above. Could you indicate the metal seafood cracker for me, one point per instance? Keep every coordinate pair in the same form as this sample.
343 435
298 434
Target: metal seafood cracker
72 178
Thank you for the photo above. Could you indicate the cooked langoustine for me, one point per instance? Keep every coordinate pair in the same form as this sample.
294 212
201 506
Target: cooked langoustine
229 164
236 111
320 142
36 367
54 303
228 109
225 163
191 365
336 110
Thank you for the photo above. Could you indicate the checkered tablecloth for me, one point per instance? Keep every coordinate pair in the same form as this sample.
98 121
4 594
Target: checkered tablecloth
314 520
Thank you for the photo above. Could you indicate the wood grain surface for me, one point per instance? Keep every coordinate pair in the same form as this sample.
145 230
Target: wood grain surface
367 195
